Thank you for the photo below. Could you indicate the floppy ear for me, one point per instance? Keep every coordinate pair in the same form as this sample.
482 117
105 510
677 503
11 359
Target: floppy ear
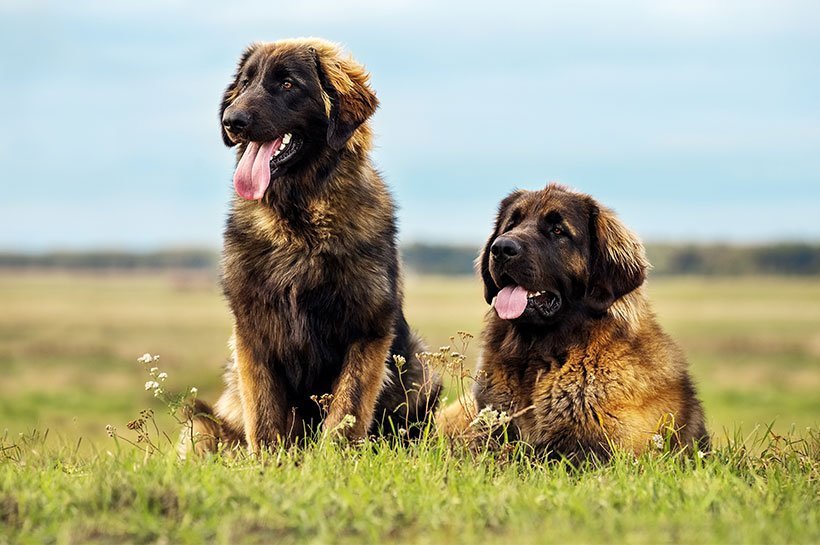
618 262
483 261
231 92
350 100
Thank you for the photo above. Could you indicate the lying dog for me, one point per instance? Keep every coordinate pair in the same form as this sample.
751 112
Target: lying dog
571 349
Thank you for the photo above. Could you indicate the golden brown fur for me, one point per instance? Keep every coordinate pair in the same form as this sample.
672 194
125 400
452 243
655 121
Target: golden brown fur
596 374
311 270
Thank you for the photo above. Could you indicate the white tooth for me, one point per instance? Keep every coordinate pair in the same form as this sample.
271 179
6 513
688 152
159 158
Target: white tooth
283 146
277 152
286 139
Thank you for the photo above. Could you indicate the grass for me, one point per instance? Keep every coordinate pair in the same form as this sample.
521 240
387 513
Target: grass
68 345
380 492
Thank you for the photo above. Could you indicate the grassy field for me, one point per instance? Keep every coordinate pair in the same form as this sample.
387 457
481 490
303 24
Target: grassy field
68 349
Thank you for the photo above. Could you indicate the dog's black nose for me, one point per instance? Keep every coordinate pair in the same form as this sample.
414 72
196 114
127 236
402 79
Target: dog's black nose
236 121
505 248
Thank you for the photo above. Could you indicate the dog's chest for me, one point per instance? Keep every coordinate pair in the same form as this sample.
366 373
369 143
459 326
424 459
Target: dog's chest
510 382
302 296
310 246
548 393
300 288
314 229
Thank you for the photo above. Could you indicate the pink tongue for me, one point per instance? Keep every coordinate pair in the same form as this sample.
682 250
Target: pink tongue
511 302
252 175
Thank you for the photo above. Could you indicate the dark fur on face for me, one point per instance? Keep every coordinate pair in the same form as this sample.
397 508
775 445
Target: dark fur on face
560 248
299 88
308 93
310 264
571 347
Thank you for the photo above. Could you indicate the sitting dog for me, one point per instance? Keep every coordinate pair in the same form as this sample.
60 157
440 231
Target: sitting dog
310 265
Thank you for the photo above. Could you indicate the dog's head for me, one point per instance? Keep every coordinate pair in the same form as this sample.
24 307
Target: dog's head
554 252
289 101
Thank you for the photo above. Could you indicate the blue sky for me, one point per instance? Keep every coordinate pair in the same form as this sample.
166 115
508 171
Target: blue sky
695 120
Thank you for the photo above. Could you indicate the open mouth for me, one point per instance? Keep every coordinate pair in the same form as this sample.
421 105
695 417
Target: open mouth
513 301
261 162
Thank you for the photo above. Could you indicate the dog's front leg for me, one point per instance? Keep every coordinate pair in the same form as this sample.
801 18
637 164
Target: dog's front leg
356 390
264 405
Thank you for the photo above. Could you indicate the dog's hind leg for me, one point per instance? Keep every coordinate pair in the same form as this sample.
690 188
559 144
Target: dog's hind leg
204 432
206 429
453 421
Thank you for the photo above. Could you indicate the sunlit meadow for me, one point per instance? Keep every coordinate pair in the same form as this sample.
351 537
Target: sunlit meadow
89 454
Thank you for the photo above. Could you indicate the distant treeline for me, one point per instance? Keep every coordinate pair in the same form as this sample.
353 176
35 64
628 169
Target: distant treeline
667 259
96 260
795 259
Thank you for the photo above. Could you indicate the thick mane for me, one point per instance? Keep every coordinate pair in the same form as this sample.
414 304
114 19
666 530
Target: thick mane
630 310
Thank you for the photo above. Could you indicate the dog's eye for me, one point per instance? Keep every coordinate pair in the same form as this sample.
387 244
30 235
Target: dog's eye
556 230
287 84
515 219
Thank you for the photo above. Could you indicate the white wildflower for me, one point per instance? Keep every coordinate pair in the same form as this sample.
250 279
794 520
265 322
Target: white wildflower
348 421
162 376
399 360
153 370
657 441
151 384
490 418
194 390
701 454
147 358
